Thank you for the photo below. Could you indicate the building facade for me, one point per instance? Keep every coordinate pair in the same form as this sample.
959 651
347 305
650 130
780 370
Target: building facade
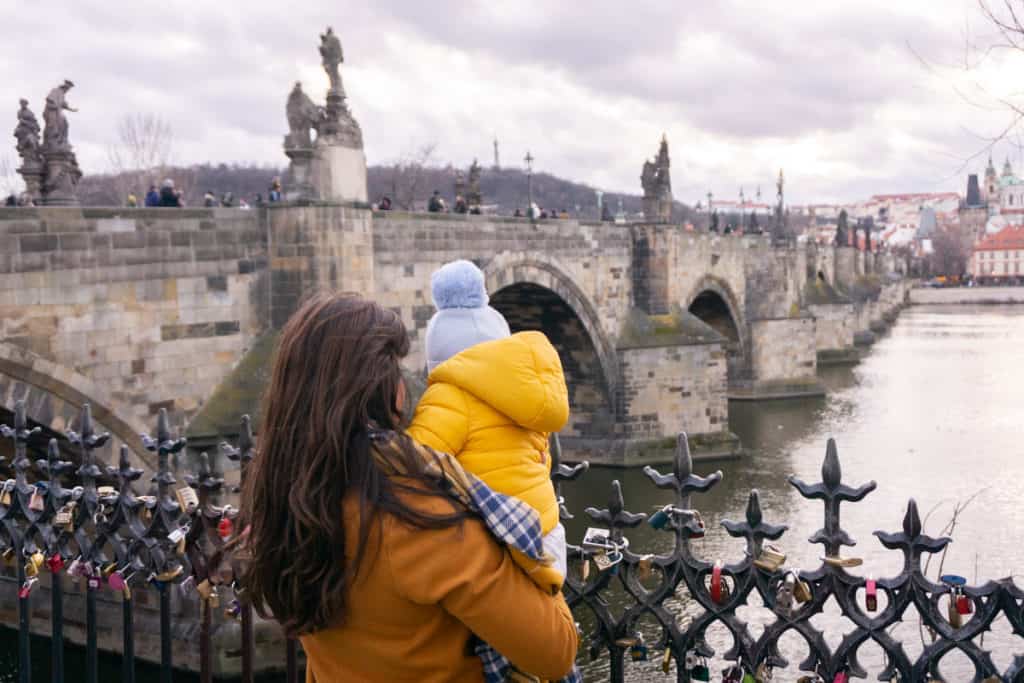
997 259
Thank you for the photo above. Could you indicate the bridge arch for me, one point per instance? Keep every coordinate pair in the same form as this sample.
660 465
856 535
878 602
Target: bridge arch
54 395
534 295
713 301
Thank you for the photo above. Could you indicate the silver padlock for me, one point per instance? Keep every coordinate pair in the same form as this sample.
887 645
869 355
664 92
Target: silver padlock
178 534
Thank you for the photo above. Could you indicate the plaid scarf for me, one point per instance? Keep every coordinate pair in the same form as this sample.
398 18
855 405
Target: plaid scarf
510 520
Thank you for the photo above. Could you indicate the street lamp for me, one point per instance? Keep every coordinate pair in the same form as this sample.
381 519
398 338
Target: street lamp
529 184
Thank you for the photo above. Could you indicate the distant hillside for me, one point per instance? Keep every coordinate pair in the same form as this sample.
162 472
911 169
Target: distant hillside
504 190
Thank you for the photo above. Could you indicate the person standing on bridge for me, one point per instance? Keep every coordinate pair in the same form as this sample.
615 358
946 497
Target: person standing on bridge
492 400
368 547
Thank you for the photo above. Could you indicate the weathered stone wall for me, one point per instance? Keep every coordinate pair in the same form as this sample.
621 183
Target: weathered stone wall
784 350
317 248
155 305
833 326
846 268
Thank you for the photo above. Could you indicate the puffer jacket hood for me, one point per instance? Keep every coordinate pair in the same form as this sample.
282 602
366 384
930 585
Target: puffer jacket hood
520 376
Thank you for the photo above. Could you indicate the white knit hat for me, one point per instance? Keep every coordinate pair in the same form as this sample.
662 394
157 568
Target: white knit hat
463 318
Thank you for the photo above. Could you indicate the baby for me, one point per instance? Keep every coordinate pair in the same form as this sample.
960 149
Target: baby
492 400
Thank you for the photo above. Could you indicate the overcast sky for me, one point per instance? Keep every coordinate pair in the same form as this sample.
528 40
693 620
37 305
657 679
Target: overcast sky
832 91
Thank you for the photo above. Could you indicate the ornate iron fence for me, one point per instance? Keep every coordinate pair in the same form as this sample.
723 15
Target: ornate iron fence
102 532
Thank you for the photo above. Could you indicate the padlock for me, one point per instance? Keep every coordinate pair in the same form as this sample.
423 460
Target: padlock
666 660
638 650
35 561
585 569
964 605
64 519
764 673
871 595
214 599
108 569
643 567
187 498
660 518
36 502
106 491
602 562
8 556
178 534
26 588
700 672
225 527
5 497
841 677
801 589
597 539
93 582
55 563
784 597
116 581
717 583
732 674
956 620
770 559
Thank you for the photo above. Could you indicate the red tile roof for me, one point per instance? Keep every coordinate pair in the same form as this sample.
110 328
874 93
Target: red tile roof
1010 237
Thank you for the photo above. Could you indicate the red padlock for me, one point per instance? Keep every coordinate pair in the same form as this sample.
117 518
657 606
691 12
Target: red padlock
841 677
716 583
871 595
55 563
964 605
225 527
26 588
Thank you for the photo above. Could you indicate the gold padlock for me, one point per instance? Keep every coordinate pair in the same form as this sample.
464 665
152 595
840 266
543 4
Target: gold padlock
602 562
666 660
771 558
170 574
644 567
108 569
956 620
8 556
802 591
5 498
585 569
126 592
36 502
187 498
35 561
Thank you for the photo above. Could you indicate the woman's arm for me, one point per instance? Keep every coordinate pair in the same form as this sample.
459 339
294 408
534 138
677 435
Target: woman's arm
465 571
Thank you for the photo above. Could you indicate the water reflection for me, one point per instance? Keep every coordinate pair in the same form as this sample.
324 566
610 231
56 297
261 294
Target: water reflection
933 412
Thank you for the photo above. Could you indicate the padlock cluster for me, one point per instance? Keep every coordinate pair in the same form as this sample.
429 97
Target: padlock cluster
100 532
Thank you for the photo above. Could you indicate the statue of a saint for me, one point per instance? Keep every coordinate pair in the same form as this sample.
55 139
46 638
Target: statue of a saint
648 179
331 56
27 134
55 135
302 115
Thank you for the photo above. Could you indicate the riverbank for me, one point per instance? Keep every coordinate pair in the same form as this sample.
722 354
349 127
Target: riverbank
980 296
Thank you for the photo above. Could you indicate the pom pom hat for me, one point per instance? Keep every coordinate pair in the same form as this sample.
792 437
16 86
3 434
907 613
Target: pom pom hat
463 318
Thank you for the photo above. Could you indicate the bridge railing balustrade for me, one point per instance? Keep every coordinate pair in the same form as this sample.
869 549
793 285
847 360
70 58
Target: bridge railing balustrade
102 532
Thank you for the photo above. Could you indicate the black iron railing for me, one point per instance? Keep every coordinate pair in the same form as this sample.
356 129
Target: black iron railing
103 533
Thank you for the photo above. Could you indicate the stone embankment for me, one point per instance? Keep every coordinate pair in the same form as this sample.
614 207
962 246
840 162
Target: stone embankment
967 295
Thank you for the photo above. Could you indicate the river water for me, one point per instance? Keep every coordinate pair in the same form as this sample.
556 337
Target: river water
933 412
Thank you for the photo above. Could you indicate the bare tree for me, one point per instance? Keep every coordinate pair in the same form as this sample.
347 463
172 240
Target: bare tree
141 153
9 182
408 174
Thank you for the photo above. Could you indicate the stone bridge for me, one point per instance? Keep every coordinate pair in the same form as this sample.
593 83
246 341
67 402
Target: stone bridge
134 310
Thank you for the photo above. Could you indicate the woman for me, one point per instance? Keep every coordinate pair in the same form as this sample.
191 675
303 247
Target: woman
382 576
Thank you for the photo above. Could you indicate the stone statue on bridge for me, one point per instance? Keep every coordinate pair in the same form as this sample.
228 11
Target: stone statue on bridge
27 135
55 135
303 116
50 169
332 56
332 167
657 185
473 196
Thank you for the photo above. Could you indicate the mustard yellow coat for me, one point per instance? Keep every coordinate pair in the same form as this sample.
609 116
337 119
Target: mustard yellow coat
493 407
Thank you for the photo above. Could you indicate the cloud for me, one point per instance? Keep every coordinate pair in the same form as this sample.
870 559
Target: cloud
837 96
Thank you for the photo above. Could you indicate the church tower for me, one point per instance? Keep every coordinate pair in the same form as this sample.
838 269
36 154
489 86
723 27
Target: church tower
990 191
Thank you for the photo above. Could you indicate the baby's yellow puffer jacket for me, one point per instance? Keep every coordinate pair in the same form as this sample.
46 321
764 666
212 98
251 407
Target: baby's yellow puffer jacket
493 407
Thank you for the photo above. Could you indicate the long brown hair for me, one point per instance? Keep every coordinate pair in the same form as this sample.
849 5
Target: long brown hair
335 385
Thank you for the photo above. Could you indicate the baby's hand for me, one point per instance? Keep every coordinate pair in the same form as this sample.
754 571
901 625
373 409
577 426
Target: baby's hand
554 545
